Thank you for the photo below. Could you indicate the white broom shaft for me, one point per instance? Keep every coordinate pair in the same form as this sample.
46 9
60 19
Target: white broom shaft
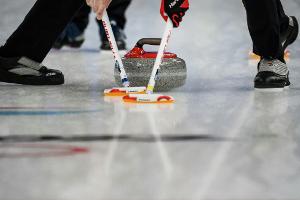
160 54
113 44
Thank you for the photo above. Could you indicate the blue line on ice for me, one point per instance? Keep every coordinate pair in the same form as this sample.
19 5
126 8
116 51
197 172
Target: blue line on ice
44 112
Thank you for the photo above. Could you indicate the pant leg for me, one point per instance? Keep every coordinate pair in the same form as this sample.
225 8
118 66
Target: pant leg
81 19
265 18
283 18
116 11
40 28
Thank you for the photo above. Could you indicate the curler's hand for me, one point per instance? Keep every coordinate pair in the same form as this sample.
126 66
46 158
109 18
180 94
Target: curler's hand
174 9
98 6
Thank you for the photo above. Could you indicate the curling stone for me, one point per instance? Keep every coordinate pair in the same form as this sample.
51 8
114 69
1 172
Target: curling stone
139 64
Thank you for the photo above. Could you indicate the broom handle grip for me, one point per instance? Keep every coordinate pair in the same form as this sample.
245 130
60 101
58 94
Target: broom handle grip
160 54
114 49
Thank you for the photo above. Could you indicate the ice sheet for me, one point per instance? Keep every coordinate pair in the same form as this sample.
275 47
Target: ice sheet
221 140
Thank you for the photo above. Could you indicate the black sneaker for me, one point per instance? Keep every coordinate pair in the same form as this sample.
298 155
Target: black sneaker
71 37
272 74
291 34
119 36
28 72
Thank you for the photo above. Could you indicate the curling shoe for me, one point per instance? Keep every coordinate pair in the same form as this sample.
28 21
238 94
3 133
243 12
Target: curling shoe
273 74
119 36
72 37
25 71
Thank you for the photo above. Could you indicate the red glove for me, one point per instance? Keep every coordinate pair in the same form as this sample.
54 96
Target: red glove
174 9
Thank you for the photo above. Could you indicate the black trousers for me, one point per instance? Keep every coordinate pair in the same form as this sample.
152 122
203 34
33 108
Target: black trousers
116 11
47 19
266 21
40 28
44 23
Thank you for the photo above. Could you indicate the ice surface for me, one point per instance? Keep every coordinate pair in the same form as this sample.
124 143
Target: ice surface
221 140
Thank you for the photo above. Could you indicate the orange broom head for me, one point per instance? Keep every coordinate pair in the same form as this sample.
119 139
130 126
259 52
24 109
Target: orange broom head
148 99
123 91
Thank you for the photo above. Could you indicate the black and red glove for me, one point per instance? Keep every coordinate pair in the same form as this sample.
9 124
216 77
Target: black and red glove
174 9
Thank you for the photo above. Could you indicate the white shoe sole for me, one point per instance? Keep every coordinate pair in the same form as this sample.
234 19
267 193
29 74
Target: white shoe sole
272 89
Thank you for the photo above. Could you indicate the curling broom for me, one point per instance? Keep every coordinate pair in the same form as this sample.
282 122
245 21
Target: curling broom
149 97
118 91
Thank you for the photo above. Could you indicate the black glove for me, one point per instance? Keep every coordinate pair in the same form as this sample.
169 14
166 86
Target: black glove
174 9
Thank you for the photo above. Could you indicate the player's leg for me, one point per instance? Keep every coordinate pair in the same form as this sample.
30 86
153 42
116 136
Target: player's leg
271 32
283 18
73 34
27 47
289 27
116 12
264 27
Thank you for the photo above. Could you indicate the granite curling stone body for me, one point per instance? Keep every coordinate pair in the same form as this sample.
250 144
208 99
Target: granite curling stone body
139 64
